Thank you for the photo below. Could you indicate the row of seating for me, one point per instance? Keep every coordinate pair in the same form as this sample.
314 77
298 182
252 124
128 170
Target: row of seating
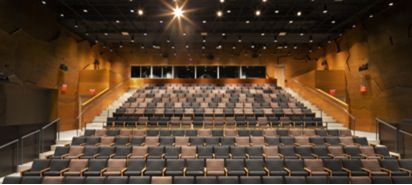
209 180
219 141
210 122
220 167
219 132
222 152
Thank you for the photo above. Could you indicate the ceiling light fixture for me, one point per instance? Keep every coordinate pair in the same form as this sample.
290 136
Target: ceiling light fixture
178 12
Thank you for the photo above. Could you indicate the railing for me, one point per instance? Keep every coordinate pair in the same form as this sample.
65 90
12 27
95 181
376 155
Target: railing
352 119
99 96
9 157
27 147
396 139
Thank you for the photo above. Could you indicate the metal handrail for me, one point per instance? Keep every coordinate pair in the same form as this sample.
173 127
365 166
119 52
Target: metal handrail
352 117
9 143
30 134
405 132
51 123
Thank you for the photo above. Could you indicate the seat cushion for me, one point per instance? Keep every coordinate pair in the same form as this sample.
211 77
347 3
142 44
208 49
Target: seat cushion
215 173
194 173
299 173
132 173
153 173
257 173
236 173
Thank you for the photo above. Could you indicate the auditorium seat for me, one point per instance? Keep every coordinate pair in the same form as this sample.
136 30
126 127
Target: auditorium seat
255 167
275 167
215 167
206 180
295 180
235 167
31 180
250 180
12 180
115 167
135 167
381 180
138 152
117 180
317 180
73 180
161 180
175 167
195 167
360 180
122 152
52 180
228 179
354 167
335 167
315 167
139 180
95 180
373 167
39 166
237 152
295 167
221 152
155 167
393 167
57 167
183 180
339 180
188 152
95 167
402 180
77 167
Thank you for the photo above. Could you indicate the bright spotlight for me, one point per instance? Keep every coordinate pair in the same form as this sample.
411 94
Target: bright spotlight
178 12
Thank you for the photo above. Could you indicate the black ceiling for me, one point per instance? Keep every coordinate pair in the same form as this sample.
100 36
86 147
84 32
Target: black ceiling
105 20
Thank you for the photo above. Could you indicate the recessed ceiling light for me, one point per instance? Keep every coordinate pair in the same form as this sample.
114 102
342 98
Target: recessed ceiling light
228 11
204 21
325 10
290 21
219 13
333 22
125 33
43 2
145 34
178 12
276 11
85 11
61 15
299 13
117 21
262 34
390 4
132 11
161 21
371 16
140 12
222 1
283 33
302 34
247 21
257 13
106 34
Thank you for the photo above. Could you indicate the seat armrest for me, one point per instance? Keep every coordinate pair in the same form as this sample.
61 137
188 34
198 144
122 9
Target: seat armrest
298 155
102 171
82 171
225 171
64 156
387 171
247 156
282 156
406 170
44 170
143 171
308 170
111 156
247 171
367 170
95 155
184 171
64 170
122 171
289 171
347 170
230 155
315 156
128 156
329 171
267 171
163 171
205 171
24 171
